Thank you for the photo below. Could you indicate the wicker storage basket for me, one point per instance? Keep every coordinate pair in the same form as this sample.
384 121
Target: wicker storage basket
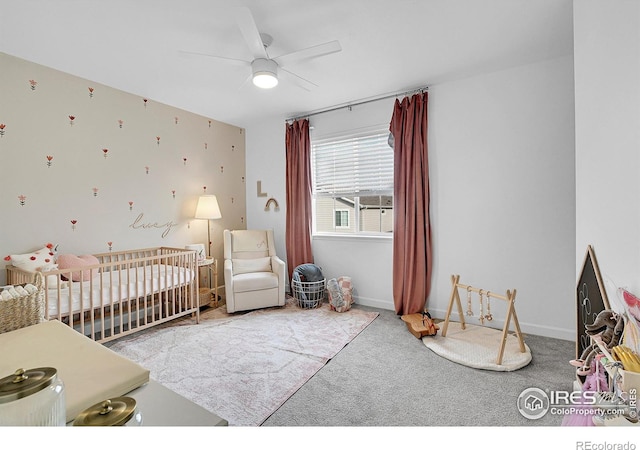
23 311
309 294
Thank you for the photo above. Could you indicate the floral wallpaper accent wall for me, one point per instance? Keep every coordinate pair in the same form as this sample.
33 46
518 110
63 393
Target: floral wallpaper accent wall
95 169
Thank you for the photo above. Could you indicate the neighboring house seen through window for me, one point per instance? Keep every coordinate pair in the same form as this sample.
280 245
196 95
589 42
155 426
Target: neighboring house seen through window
353 184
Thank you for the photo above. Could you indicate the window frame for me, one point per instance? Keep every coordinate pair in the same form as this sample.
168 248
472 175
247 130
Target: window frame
342 231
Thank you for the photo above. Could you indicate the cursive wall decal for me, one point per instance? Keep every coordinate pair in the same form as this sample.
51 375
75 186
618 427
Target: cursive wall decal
139 223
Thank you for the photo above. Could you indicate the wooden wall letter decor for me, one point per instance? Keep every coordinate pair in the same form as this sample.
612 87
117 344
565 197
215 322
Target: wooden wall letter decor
260 193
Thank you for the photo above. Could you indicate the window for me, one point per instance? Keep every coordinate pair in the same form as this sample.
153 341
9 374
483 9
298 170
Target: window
342 218
353 183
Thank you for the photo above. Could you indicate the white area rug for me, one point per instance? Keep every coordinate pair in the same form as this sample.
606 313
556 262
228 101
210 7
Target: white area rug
244 367
478 346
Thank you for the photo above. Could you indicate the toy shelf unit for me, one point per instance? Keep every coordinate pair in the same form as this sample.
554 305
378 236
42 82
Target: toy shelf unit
482 294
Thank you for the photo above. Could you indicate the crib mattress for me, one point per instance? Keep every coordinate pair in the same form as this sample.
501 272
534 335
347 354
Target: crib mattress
110 288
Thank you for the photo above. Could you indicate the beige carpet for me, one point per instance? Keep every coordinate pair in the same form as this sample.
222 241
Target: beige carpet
243 367
477 347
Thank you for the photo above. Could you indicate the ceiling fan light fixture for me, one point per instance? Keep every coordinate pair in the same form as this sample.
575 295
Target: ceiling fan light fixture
265 80
265 73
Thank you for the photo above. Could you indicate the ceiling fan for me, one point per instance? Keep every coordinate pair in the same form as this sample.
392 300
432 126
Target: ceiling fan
264 68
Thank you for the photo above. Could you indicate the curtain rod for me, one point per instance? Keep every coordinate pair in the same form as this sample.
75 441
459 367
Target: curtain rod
357 103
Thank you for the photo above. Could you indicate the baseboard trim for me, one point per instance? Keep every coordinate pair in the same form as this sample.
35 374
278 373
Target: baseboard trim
374 303
527 328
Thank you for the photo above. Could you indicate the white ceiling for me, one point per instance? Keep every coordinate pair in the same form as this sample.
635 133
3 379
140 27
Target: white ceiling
388 46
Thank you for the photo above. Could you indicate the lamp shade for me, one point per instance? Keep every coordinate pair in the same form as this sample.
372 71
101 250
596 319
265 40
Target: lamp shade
208 208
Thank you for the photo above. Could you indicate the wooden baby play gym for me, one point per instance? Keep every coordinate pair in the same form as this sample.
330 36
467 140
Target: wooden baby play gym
484 298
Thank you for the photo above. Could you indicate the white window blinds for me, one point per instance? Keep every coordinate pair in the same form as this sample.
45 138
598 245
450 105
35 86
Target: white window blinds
353 166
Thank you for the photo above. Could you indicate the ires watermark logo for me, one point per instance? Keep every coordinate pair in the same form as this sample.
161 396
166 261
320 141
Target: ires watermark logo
534 403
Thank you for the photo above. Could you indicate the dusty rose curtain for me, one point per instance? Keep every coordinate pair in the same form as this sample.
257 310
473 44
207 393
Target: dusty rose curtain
298 220
412 230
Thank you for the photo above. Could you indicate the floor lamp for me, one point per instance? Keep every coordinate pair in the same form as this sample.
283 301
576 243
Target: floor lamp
208 209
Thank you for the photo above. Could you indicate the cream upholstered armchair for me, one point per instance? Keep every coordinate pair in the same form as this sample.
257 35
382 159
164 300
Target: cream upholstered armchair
254 276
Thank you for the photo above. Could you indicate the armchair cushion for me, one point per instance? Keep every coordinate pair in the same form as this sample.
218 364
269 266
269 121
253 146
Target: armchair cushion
251 265
249 244
256 281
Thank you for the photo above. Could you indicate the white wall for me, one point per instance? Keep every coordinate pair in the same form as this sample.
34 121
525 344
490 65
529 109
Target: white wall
503 199
501 149
607 92
268 165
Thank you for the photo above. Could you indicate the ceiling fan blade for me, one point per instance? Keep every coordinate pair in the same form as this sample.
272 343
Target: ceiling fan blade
311 52
297 79
250 32
245 82
235 61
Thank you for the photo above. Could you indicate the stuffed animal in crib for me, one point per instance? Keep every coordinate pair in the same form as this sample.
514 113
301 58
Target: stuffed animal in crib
607 328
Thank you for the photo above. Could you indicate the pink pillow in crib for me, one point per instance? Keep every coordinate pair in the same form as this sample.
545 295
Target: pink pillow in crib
69 261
